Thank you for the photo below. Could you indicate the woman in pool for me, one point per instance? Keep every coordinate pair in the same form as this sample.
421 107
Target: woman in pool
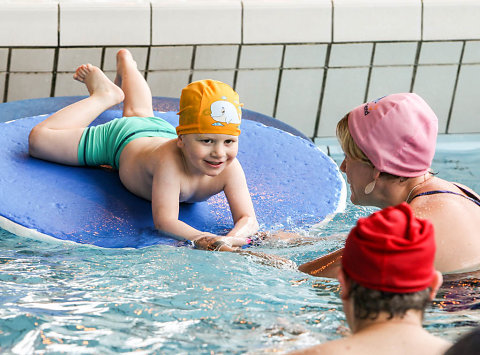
389 145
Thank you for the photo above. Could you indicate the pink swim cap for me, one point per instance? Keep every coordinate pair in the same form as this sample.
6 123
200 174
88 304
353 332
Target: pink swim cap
397 133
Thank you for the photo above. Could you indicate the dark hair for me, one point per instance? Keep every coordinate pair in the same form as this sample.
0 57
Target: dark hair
468 344
368 303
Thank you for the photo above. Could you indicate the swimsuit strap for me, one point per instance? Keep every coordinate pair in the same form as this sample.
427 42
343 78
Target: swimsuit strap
470 196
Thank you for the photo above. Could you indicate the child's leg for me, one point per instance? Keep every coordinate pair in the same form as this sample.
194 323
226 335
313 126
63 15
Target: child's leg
56 139
138 97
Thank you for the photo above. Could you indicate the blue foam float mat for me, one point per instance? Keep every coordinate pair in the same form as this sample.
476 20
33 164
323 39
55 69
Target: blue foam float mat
293 185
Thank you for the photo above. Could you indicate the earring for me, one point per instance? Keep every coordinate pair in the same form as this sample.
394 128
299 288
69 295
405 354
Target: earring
369 188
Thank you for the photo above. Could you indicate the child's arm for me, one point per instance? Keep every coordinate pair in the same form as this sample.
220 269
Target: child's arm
165 206
241 206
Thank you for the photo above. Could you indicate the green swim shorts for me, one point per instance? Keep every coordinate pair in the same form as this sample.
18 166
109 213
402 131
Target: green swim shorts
103 144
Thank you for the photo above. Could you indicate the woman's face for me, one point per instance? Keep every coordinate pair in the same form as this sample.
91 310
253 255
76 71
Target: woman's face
359 174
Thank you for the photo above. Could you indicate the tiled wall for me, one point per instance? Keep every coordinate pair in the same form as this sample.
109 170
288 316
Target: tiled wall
305 62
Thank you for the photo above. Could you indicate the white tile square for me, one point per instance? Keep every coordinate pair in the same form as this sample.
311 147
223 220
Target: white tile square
376 20
23 86
65 85
351 54
258 89
471 53
171 57
196 22
139 54
447 19
396 53
103 22
389 80
440 52
435 83
344 90
71 58
3 59
226 76
29 23
168 83
305 56
299 97
32 59
260 56
466 107
216 57
287 21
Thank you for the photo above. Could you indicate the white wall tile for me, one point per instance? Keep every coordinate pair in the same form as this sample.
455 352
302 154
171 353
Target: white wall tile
344 90
28 23
65 85
23 86
216 57
258 89
168 83
466 108
225 76
3 59
472 52
139 54
196 21
440 52
71 58
305 56
389 80
376 20
287 21
261 56
352 54
435 84
171 58
299 97
448 19
32 59
396 53
103 22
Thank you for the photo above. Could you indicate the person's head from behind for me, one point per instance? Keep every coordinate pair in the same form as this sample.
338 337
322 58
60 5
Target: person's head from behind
388 266
210 115
393 137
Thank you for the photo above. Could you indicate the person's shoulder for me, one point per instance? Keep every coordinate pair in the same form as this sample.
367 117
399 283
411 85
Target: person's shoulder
333 347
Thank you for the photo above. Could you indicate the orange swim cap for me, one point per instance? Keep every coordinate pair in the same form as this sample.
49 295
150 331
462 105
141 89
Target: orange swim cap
209 106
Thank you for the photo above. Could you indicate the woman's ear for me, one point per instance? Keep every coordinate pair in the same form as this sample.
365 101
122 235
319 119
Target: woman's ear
435 284
344 284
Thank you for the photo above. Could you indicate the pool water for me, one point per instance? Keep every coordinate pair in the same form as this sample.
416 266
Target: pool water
63 298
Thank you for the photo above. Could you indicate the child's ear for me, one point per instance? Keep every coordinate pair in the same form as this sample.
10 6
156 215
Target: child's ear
180 143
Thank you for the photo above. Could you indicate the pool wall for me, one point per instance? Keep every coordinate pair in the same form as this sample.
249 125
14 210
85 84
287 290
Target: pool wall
305 62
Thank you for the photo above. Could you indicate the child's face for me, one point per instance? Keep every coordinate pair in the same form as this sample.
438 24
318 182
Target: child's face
207 153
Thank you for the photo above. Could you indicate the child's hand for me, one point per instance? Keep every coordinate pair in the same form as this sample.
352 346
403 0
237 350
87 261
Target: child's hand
213 243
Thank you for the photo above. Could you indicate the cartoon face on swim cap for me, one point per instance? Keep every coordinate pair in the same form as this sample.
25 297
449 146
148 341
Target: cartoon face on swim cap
209 106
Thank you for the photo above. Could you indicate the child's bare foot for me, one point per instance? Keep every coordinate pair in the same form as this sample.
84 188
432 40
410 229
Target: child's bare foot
124 59
98 84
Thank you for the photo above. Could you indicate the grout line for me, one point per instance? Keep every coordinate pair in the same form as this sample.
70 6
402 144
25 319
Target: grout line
322 90
102 58
415 65
370 68
54 72
279 81
454 91
147 63
192 63
7 75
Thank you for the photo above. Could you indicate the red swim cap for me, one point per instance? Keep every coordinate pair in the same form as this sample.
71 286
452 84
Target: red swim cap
391 250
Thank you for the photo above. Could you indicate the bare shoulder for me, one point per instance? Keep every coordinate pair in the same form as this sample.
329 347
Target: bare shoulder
339 346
